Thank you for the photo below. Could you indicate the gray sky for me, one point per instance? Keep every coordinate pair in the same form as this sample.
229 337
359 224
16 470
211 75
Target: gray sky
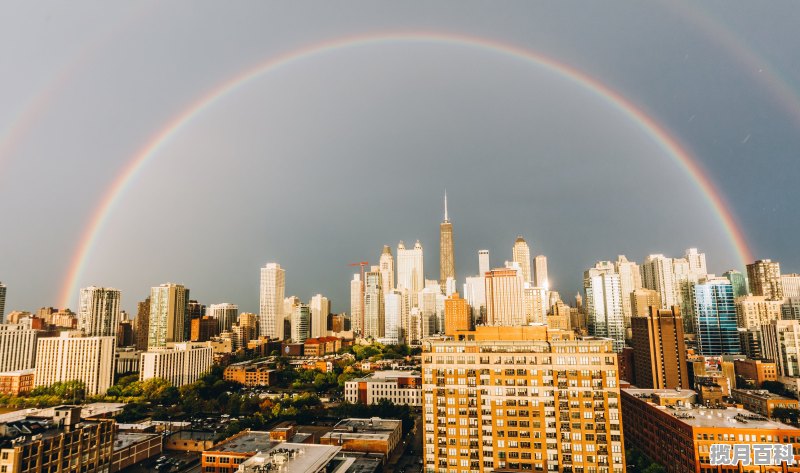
321 162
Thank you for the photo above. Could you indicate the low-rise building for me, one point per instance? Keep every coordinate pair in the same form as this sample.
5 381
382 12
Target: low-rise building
251 373
756 371
679 435
17 382
293 458
126 360
228 454
762 401
399 387
131 448
321 346
373 435
178 363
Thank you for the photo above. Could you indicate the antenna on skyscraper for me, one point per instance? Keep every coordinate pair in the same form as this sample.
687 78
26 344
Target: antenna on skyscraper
445 206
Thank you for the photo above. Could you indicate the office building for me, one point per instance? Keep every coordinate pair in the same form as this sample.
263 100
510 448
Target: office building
630 280
756 371
374 435
457 315
658 274
357 305
697 261
665 426
168 317
273 287
659 350
386 264
754 311
393 318
195 310
410 270
715 318
504 297
521 399
750 342
98 311
540 277
447 258
374 321
790 309
3 289
475 295
641 301
400 387
604 303
225 314
764 278
521 255
204 329
178 363
534 300
320 308
761 401
781 343
738 281
301 322
142 324
17 347
790 283
72 357
484 265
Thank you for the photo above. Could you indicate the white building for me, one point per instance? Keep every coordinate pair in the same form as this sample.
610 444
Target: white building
521 254
178 363
790 283
475 294
781 342
225 313
17 347
98 311
504 297
393 318
374 322
320 308
126 360
540 278
168 314
399 387
630 279
754 311
604 303
74 357
273 288
483 262
410 270
357 305
386 265
535 302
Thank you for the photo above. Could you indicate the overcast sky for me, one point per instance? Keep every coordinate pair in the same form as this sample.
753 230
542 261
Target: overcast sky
320 163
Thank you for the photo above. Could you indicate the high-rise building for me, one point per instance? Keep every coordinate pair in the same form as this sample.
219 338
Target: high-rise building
393 317
195 310
754 311
98 311
248 326
2 302
781 343
658 274
475 294
273 287
540 277
715 318
357 304
124 333
521 254
301 323
410 270
697 261
226 314
534 300
179 363
17 347
204 328
790 309
504 297
320 308
72 357
447 258
374 322
641 300
168 316
738 281
630 279
457 315
483 262
764 278
604 303
521 399
659 350
386 264
142 324
791 285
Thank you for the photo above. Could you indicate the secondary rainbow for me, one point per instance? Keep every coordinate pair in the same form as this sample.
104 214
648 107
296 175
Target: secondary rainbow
644 122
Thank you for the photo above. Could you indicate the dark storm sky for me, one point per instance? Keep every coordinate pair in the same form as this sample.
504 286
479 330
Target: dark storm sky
321 162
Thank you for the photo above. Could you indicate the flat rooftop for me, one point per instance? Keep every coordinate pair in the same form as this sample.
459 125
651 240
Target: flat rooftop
95 409
292 457
389 375
124 440
373 425
253 441
761 394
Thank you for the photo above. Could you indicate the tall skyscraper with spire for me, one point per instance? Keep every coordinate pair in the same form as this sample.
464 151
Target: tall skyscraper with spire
447 260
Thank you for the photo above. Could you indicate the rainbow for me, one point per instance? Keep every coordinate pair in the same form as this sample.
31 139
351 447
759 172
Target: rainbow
644 122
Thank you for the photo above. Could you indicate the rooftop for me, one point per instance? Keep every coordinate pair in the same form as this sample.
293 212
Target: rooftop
126 439
762 394
294 457
375 424
253 441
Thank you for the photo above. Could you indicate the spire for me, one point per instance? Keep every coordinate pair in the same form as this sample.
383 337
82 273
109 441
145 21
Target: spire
445 206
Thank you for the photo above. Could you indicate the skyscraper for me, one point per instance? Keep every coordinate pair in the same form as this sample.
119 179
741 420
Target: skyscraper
535 302
357 305
754 311
781 342
715 318
17 347
410 270
791 285
641 300
273 288
71 357
374 322
764 277
168 317
387 269
738 281
475 294
142 324
2 303
540 278
521 255
301 320
226 315
447 259
456 315
604 303
320 308
393 316
697 261
630 279
98 311
504 297
658 275
659 350
483 262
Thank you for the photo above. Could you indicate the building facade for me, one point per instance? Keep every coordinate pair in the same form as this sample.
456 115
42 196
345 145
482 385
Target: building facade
98 311
273 288
521 254
715 318
764 279
604 303
399 387
179 363
659 350
168 318
17 347
72 357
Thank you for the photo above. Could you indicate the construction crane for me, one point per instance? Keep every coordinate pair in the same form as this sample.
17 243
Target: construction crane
361 319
